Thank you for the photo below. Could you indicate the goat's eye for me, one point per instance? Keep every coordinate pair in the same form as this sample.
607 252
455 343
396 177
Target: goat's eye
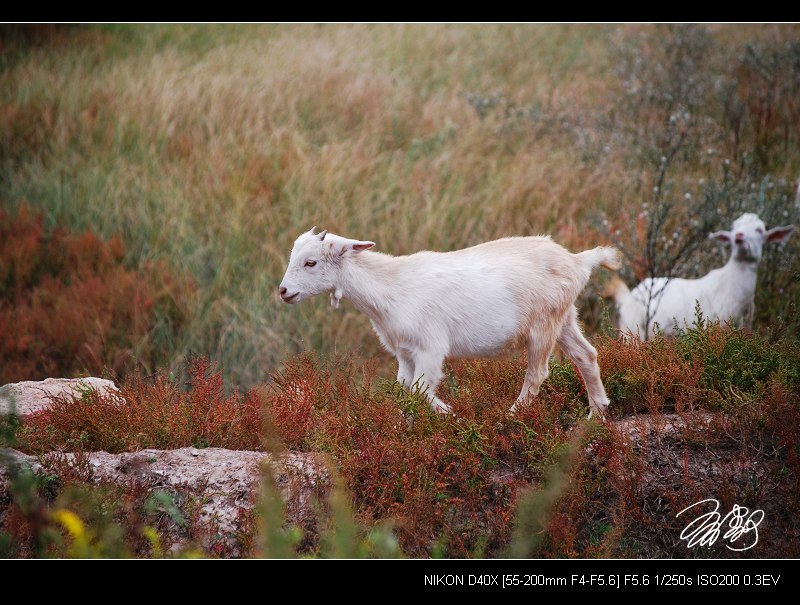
760 230
310 263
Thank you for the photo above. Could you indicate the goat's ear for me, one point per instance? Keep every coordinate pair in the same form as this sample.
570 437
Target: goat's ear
358 246
780 234
361 246
721 236
339 246
354 245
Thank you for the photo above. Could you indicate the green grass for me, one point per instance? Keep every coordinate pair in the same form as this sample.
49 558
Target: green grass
213 147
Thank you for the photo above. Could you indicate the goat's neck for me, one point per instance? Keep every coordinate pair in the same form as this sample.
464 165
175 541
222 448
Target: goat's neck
369 281
739 276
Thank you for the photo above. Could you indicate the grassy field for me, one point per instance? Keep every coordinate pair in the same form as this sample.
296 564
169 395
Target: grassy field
152 182
213 147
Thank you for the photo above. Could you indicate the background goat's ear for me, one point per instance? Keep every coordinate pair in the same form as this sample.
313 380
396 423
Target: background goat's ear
721 236
780 234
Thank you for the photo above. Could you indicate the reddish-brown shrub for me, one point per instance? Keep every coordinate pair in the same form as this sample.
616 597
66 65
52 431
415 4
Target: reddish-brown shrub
450 484
150 413
68 305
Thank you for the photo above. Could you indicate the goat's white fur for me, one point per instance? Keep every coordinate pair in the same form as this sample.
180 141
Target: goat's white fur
725 294
476 302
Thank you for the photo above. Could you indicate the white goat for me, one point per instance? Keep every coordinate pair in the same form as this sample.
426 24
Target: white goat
475 302
724 294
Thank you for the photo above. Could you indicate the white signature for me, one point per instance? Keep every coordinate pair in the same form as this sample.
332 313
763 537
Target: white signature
707 527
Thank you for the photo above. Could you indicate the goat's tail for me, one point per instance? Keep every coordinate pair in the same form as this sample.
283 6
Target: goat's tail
604 256
616 290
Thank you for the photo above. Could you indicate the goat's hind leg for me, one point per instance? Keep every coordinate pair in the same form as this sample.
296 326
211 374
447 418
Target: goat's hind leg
584 356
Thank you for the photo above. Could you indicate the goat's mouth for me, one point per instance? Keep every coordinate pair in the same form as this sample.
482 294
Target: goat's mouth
290 299
744 252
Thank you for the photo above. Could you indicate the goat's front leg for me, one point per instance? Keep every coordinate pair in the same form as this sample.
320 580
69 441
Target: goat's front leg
428 370
540 346
405 370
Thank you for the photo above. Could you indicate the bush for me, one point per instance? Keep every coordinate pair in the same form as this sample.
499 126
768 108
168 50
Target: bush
450 484
150 413
68 305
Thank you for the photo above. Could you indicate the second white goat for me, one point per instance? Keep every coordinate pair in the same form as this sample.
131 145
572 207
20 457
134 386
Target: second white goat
476 302
724 294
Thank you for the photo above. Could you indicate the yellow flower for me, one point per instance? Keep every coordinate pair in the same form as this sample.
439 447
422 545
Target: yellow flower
71 523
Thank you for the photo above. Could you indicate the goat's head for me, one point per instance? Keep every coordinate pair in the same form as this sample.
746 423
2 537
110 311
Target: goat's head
748 236
315 263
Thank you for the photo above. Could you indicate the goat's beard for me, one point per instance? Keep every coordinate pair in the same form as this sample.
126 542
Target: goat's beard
744 254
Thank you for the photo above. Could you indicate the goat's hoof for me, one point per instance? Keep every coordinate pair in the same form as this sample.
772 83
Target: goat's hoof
442 408
516 407
600 414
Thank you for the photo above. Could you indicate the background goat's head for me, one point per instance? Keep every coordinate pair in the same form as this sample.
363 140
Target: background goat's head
315 263
748 235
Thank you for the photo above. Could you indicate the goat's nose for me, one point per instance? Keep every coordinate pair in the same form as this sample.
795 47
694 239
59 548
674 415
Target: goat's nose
739 237
283 290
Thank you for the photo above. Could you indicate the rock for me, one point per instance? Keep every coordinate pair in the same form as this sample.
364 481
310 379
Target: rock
662 463
643 426
225 478
221 486
12 458
32 396
220 483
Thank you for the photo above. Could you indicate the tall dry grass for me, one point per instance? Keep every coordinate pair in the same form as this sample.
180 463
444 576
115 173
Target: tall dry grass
212 147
